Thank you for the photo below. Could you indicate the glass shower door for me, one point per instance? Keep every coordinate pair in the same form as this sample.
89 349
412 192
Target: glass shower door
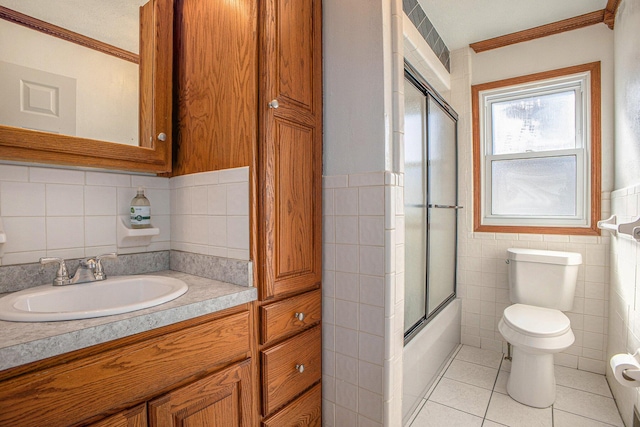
415 200
443 199
430 201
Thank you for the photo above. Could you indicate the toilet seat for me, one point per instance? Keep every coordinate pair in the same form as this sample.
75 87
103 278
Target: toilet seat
538 322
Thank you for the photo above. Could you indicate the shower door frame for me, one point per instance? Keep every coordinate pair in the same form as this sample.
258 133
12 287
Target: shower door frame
411 74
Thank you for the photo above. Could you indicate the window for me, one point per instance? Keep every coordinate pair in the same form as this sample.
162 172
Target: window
536 149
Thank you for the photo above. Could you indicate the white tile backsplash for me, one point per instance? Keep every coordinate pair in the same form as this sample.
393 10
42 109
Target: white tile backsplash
73 213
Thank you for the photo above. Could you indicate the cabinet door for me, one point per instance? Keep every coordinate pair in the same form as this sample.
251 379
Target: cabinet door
305 411
134 417
221 399
291 146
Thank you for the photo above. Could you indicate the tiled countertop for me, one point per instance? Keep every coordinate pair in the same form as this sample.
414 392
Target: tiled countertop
22 343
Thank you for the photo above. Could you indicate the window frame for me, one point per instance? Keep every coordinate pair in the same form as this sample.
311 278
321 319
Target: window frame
591 114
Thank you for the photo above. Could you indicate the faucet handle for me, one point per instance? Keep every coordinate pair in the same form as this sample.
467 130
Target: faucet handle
99 271
62 275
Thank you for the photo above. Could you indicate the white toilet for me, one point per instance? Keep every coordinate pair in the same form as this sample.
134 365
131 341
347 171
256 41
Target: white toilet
542 285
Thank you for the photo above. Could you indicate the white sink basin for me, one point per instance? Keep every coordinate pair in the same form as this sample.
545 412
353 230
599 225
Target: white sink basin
115 295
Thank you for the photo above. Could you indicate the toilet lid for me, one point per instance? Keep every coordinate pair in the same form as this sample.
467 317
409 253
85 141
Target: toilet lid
536 321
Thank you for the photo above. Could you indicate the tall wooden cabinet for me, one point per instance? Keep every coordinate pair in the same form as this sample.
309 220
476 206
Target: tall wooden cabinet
248 92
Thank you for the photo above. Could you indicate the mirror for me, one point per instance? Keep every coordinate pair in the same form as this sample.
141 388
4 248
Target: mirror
87 110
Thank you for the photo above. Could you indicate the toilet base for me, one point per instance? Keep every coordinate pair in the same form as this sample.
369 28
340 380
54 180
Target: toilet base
532 381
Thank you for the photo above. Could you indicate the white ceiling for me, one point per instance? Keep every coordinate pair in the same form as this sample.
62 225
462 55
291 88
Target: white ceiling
461 22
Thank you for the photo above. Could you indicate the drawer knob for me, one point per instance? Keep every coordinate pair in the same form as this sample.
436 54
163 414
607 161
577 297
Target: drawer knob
299 316
300 368
274 104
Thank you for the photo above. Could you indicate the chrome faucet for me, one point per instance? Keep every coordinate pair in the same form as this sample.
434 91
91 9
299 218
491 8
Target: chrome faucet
89 270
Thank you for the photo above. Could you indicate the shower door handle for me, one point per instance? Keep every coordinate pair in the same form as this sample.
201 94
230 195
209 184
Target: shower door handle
446 206
435 206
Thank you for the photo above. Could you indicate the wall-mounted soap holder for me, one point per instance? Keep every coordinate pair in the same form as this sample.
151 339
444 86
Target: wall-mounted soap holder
629 228
3 238
131 237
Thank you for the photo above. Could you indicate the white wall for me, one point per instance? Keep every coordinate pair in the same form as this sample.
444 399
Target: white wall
107 87
624 308
354 85
482 278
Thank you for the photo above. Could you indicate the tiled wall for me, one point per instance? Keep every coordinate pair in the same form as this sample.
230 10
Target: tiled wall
73 213
482 272
428 32
363 299
210 213
624 304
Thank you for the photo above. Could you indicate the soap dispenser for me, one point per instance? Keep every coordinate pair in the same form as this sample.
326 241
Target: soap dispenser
140 210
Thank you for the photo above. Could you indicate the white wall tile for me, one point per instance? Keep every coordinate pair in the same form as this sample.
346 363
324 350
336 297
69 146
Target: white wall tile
65 232
238 199
56 176
218 231
24 234
346 201
64 200
100 200
217 199
14 173
238 232
346 230
22 199
371 201
100 230
233 175
108 179
199 200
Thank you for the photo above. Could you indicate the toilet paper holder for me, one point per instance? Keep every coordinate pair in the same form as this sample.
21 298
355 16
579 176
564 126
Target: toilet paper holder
626 369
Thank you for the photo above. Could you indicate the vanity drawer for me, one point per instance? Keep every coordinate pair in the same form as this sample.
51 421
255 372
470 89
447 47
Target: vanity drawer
304 411
290 367
282 318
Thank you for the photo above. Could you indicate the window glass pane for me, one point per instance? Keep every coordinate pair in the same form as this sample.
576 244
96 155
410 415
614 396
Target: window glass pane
537 123
543 186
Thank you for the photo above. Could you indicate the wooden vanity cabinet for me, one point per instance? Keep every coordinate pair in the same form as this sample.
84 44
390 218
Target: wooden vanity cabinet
197 372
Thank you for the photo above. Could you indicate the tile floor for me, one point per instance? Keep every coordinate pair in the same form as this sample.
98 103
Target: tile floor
471 391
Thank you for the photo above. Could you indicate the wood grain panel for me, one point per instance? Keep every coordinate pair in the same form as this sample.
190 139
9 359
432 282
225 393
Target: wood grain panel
294 195
145 103
295 33
215 85
82 389
290 175
279 320
218 400
135 417
281 382
569 24
305 411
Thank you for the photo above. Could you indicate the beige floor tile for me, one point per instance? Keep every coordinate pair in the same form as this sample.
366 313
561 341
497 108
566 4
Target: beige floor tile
461 396
504 410
565 419
480 356
489 423
416 412
582 380
589 405
501 382
472 373
436 415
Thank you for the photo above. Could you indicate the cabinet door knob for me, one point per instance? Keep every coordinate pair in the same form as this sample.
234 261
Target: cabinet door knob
162 136
299 316
300 368
274 104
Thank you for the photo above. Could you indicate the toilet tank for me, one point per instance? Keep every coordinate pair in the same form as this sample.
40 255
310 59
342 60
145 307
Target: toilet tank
543 278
